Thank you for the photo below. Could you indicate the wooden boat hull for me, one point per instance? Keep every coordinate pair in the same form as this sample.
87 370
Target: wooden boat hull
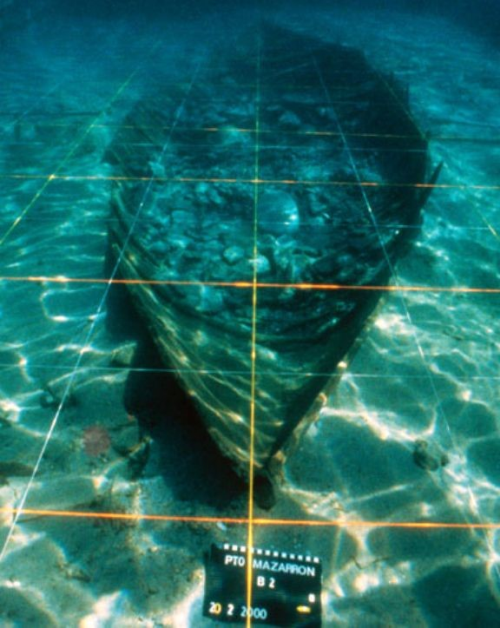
259 209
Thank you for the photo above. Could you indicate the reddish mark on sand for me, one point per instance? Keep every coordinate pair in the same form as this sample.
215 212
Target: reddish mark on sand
96 440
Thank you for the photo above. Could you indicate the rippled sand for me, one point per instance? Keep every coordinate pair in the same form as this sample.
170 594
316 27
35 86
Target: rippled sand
126 440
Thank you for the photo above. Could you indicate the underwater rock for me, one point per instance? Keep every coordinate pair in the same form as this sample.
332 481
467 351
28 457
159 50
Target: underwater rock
52 395
290 120
428 456
123 356
233 254
236 203
12 468
278 213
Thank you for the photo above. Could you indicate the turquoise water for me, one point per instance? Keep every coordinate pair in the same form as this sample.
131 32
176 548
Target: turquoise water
426 369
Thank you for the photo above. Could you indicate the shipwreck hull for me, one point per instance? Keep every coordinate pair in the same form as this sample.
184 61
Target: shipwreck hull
257 198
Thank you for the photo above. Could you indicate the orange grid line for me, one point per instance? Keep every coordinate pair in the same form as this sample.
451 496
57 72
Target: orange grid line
262 521
373 184
451 138
260 285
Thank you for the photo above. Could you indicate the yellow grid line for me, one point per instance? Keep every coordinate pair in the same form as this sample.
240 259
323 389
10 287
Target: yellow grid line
253 354
253 181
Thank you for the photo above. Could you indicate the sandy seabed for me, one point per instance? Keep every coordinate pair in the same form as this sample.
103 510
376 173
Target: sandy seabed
80 434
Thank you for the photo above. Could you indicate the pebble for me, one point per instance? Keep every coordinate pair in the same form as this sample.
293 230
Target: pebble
261 264
211 300
48 400
233 254
126 438
290 119
429 457
123 356
278 213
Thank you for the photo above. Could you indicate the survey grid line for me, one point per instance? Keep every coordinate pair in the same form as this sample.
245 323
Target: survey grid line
281 132
253 347
29 513
253 181
144 369
260 285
